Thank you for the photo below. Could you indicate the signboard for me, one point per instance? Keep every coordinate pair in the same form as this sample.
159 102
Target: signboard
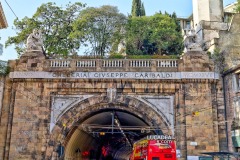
193 143
192 157
205 158
116 75
178 153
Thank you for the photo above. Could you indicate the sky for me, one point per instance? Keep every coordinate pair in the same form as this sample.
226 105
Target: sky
23 8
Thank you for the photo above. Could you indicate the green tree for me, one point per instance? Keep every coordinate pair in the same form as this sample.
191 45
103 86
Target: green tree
156 34
138 9
174 16
238 6
100 28
143 13
55 24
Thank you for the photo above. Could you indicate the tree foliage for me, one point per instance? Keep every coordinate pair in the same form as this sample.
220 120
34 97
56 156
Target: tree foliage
101 29
157 34
238 6
55 24
219 60
138 9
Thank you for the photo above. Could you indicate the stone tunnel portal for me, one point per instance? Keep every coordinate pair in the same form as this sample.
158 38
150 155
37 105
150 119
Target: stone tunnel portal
106 130
109 133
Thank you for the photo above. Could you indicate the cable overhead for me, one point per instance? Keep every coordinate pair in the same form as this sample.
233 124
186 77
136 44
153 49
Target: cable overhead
11 9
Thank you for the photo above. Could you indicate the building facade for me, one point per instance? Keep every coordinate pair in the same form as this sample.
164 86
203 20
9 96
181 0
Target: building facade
71 108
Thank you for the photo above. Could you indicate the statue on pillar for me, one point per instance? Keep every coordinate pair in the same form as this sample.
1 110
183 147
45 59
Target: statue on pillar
34 41
191 41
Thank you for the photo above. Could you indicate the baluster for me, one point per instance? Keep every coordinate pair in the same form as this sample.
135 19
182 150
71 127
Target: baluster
91 63
66 63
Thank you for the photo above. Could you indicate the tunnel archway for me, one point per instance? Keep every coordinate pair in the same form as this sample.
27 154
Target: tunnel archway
97 127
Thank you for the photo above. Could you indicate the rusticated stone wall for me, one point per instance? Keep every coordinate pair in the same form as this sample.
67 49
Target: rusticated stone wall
27 105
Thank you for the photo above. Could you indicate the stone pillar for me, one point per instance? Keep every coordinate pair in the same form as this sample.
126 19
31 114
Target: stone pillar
207 10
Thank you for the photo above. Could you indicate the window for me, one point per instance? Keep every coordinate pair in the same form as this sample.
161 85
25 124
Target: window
188 25
236 82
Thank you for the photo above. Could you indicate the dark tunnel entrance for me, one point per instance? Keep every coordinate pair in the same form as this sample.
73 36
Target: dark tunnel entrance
107 134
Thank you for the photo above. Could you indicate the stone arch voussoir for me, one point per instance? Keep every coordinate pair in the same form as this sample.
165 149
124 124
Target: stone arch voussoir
67 123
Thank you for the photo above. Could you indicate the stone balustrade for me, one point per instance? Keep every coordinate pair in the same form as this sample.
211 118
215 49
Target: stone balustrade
86 63
60 63
113 64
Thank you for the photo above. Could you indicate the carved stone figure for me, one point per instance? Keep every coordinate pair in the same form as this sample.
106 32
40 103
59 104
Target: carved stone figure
34 41
191 42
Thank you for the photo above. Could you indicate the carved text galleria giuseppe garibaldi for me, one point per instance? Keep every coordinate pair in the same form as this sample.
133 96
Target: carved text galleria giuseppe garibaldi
117 75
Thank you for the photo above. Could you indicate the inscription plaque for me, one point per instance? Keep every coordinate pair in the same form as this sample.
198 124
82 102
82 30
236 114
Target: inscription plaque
116 75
